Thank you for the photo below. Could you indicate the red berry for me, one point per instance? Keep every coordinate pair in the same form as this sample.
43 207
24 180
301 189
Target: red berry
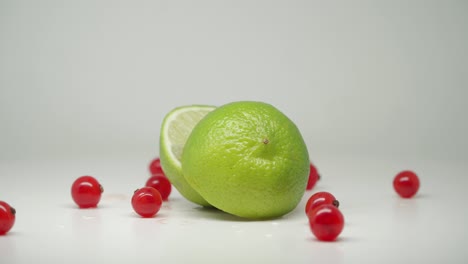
320 198
146 201
160 183
313 177
86 192
406 184
155 167
326 222
7 217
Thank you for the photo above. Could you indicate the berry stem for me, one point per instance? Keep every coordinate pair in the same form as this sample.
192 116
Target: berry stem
336 203
12 210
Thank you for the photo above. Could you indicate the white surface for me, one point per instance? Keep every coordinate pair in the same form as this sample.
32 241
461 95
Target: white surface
380 227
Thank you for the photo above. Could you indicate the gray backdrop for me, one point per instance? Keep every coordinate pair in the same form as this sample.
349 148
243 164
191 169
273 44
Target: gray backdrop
95 78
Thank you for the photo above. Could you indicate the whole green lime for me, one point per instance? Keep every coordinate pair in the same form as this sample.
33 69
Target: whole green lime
247 159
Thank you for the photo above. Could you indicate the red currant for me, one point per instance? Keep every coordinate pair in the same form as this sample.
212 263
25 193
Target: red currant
7 217
86 192
406 184
146 201
320 198
326 222
160 183
313 177
155 167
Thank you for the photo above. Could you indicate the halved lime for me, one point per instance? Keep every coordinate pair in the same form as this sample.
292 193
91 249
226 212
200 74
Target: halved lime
176 128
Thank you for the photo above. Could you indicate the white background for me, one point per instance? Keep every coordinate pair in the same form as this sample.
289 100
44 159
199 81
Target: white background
374 86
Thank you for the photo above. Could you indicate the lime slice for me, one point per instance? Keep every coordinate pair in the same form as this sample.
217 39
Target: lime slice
176 128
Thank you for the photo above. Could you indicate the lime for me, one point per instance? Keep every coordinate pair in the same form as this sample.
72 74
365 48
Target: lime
175 129
247 159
